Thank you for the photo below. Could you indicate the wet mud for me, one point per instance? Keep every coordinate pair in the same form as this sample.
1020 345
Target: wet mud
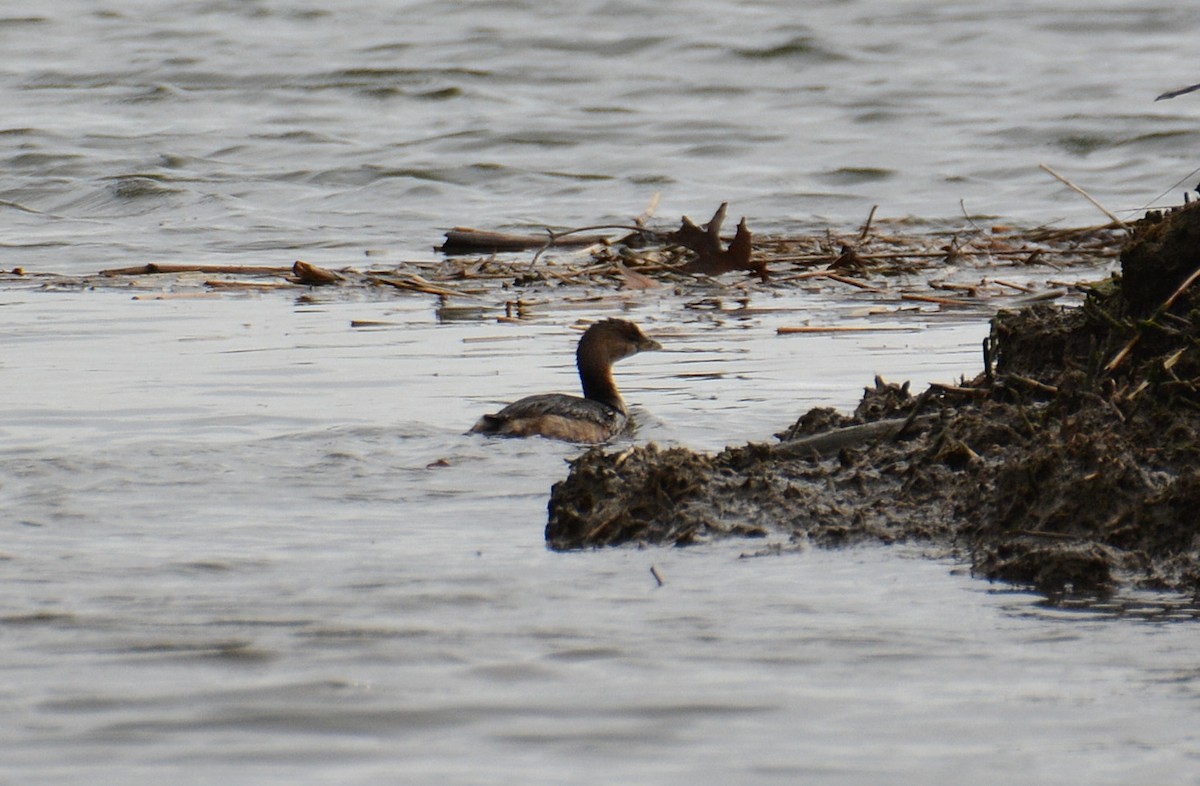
1068 464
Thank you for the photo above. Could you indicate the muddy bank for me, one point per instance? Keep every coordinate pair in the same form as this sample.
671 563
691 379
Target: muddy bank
1068 463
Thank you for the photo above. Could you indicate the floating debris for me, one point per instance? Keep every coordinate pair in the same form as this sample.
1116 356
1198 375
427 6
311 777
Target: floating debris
967 267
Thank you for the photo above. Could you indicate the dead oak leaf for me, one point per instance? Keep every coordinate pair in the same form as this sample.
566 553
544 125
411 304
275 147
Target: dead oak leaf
712 258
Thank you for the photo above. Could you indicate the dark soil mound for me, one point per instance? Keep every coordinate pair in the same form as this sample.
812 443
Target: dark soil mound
1072 463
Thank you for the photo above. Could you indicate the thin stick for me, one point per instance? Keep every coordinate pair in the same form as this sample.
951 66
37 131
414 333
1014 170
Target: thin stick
943 301
1085 195
1182 288
651 206
156 269
785 330
972 290
962 205
657 576
416 283
1032 533
179 296
866 229
1018 287
1119 358
556 236
1031 383
853 282
247 285
963 251
1174 186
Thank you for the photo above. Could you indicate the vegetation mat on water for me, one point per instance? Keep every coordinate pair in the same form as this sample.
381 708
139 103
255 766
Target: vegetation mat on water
900 264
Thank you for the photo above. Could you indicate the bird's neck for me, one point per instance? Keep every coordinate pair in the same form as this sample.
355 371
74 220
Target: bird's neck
598 384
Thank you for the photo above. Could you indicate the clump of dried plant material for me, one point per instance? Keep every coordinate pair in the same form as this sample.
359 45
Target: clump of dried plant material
1067 464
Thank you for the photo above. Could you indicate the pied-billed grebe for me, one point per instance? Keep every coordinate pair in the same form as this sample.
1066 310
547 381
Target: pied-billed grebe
596 417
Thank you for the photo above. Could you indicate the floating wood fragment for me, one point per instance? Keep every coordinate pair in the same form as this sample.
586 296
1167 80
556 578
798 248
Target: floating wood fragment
465 240
263 286
304 273
631 279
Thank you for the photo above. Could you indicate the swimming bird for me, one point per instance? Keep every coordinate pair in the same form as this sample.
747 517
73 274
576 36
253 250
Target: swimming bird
596 417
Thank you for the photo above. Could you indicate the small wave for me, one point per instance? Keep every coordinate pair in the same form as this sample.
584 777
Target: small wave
385 78
365 175
302 136
1083 144
41 162
1166 141
124 195
136 187
854 175
441 94
622 46
153 94
581 176
18 206
802 47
